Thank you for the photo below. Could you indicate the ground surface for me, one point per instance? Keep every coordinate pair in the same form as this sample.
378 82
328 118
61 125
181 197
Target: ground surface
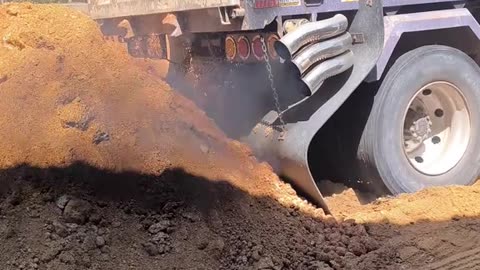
102 166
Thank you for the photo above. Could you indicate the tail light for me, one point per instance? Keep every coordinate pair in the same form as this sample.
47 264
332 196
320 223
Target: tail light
243 47
257 47
230 48
270 45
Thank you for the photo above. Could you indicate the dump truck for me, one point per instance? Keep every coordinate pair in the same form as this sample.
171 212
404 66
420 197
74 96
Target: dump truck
393 85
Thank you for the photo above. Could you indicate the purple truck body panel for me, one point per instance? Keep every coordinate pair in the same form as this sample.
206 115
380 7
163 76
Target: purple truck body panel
259 18
396 25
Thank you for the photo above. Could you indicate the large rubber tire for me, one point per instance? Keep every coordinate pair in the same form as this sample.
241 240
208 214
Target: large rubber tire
381 156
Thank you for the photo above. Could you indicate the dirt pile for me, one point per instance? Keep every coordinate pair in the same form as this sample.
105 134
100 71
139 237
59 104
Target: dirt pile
83 218
436 228
69 96
104 167
438 204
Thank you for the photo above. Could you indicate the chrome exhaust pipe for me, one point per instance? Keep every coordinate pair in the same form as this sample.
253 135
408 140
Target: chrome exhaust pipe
309 32
315 78
321 51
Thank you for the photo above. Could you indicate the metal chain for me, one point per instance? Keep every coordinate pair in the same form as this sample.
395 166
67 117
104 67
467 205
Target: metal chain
273 88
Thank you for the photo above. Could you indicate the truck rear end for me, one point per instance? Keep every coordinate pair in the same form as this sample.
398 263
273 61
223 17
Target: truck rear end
247 40
274 72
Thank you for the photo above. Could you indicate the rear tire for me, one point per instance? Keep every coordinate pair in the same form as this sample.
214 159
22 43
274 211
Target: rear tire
405 152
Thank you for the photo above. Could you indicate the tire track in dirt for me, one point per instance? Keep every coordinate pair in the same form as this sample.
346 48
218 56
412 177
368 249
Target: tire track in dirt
469 259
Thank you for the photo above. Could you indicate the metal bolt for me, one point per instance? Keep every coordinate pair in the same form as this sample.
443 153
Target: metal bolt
237 13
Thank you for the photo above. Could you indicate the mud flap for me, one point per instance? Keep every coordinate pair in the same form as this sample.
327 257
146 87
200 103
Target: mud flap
289 156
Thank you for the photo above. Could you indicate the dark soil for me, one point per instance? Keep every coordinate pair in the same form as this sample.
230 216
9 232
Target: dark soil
84 218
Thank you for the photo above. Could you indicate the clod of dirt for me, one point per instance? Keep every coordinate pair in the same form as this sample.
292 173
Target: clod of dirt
100 241
50 253
59 229
76 211
67 258
159 227
151 249
265 263
62 201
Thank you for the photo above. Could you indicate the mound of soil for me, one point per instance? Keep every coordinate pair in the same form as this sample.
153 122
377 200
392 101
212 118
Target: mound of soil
69 96
435 228
104 167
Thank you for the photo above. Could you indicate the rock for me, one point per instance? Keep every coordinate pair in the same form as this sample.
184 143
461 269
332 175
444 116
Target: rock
264 263
159 226
100 241
62 201
151 249
77 211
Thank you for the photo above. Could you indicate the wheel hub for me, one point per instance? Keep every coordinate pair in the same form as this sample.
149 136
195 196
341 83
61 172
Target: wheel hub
436 128
421 128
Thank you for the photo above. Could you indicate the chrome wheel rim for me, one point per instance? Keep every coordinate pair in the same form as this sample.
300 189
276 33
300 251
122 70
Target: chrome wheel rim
436 128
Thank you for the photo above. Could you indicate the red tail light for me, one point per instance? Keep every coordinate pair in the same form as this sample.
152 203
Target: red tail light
243 47
271 49
257 47
266 3
230 48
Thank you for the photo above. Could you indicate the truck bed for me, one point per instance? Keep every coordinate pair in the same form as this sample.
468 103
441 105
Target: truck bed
100 9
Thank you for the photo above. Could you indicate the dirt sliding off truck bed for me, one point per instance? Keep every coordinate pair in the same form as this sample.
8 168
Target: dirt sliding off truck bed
386 88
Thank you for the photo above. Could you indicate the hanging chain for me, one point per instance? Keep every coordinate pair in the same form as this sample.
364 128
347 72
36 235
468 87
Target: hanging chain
274 89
